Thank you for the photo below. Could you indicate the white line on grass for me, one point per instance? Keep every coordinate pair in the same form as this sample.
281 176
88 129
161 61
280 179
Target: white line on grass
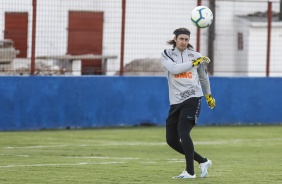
148 162
38 146
14 155
46 165
110 143
174 160
114 158
120 143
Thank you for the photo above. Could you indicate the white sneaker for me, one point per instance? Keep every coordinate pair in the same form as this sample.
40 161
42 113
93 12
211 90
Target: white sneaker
185 174
204 168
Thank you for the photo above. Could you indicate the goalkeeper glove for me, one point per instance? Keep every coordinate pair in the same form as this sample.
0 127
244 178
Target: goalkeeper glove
200 60
211 101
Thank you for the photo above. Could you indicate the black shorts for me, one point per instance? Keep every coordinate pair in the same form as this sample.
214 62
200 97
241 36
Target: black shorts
189 109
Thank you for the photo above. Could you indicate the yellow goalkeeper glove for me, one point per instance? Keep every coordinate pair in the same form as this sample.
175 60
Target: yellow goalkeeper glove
198 61
211 101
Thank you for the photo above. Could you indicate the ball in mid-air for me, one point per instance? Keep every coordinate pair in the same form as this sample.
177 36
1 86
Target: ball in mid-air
202 16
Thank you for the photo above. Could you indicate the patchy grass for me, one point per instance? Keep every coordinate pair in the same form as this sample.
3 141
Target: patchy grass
240 154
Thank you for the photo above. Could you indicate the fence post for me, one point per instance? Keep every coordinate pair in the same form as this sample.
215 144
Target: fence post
280 14
122 37
199 2
32 64
269 19
211 38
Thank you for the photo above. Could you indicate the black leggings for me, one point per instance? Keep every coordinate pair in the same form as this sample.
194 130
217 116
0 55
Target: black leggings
178 128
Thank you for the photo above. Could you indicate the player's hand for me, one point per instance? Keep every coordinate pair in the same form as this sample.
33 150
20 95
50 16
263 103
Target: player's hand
200 60
211 101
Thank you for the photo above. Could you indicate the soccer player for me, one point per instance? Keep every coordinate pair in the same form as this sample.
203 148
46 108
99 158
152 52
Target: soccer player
188 81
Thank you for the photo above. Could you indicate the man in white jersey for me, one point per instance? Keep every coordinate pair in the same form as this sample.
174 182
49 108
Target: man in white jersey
188 81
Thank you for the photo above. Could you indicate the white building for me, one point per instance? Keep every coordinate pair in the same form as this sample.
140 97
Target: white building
251 59
149 24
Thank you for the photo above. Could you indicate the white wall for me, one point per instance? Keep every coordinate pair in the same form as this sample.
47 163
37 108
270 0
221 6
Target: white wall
257 49
252 58
55 26
52 22
276 49
241 56
226 31
149 24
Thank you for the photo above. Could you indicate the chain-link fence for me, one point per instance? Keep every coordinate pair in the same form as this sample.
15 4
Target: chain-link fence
113 37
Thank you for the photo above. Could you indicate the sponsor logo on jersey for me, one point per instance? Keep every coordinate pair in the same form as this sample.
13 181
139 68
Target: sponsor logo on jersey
185 75
188 93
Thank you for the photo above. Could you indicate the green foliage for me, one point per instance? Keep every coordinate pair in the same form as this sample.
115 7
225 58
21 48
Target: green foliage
240 154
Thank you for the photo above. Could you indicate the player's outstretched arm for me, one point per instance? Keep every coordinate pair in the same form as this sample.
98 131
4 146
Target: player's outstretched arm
173 67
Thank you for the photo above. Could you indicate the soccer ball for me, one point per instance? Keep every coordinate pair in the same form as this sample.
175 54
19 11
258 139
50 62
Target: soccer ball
202 16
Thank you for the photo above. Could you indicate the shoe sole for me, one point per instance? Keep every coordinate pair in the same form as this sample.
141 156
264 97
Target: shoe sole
177 177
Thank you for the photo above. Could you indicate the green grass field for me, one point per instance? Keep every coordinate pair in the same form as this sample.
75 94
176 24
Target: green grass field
240 154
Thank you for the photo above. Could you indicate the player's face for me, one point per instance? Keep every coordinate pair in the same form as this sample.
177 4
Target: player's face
182 41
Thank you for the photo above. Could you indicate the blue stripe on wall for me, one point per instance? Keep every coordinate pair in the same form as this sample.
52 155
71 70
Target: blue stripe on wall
31 103
245 101
54 102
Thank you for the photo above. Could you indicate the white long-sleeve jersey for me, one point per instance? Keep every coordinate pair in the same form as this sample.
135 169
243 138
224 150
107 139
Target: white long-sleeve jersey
184 80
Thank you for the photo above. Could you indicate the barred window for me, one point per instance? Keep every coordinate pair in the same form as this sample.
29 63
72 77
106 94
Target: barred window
240 41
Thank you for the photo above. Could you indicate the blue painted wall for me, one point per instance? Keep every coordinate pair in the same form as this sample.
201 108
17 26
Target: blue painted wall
31 103
245 101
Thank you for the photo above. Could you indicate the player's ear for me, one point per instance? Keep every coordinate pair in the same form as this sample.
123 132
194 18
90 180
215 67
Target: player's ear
174 38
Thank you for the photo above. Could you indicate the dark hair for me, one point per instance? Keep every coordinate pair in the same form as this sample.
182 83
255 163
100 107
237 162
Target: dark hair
181 30
178 32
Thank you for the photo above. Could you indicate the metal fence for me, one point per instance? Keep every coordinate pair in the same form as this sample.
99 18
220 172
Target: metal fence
126 37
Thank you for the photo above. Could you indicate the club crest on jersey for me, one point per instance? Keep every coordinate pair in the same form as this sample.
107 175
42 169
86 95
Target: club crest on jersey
185 75
190 55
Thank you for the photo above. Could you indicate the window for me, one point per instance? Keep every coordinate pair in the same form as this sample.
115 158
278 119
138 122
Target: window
240 41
